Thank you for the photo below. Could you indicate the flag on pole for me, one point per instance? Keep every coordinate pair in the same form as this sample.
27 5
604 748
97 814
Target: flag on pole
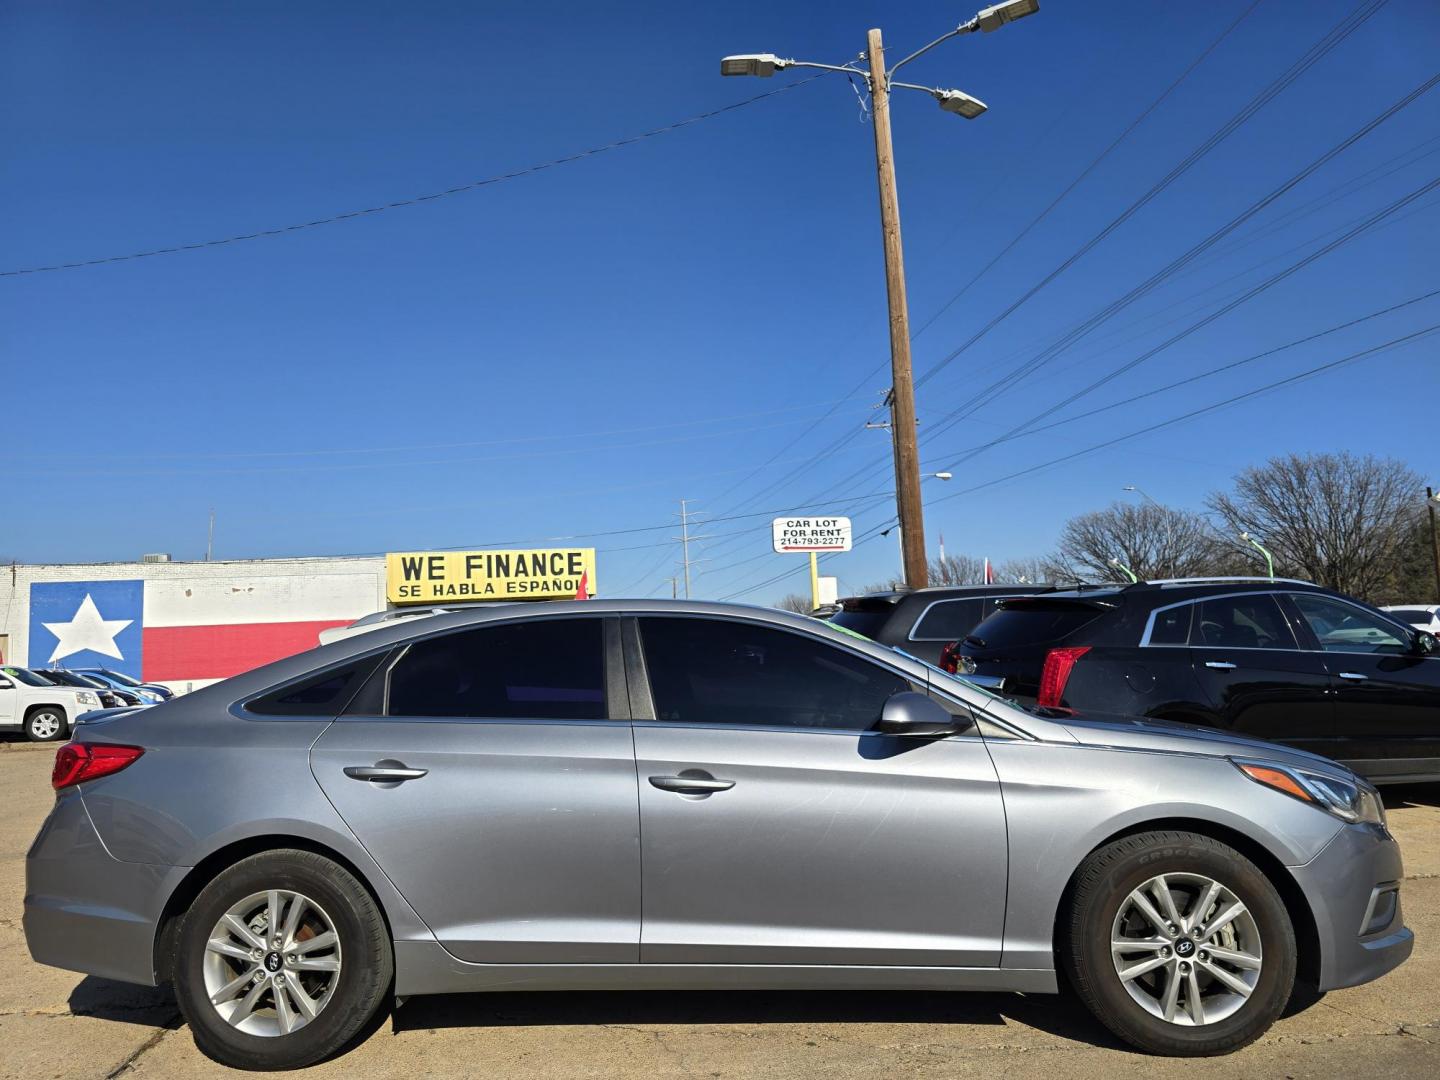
989 573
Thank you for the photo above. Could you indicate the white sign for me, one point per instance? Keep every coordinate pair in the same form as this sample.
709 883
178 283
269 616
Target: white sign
811 534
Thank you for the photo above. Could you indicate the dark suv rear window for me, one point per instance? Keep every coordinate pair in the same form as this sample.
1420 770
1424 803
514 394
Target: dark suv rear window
867 622
1032 624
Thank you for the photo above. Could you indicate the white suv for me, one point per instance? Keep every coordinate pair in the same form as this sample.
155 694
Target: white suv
43 711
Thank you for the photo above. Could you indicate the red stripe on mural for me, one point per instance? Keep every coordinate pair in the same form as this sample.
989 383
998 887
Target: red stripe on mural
175 653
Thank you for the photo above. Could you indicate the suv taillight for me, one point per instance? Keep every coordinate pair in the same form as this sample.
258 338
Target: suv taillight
950 657
77 762
1056 673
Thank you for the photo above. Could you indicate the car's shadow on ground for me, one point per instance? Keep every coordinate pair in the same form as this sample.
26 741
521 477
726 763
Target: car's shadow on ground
1060 1015
1397 795
126 1003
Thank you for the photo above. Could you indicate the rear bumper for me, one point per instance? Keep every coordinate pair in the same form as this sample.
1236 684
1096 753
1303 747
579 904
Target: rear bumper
1354 891
85 910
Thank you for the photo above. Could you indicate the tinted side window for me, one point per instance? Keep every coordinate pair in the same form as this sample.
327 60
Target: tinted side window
1172 626
1032 623
545 669
325 694
1344 628
709 671
950 620
1241 622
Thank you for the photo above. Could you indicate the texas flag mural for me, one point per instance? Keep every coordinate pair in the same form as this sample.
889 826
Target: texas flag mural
179 631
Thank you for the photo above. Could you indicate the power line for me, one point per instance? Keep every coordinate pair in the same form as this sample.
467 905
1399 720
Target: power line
460 189
1337 34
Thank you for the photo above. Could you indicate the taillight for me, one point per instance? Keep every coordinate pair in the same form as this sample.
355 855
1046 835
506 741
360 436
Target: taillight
950 657
77 762
1056 673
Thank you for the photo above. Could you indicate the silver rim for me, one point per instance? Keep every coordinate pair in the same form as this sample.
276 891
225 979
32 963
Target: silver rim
45 725
272 963
1186 949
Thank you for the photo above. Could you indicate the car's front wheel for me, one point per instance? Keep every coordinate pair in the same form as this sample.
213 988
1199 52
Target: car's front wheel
46 723
1179 944
283 959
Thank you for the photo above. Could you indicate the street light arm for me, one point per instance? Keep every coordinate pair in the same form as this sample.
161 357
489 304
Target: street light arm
963 28
822 67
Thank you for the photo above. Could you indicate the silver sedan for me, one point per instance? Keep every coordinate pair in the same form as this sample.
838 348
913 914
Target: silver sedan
639 795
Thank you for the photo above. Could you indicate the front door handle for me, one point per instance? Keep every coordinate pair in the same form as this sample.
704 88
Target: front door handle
691 785
1353 676
383 774
1220 665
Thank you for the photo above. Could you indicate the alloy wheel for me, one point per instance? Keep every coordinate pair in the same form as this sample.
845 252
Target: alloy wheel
272 963
1186 949
46 724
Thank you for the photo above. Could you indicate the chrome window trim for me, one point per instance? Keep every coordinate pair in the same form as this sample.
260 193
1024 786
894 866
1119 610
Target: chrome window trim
791 728
953 600
1150 622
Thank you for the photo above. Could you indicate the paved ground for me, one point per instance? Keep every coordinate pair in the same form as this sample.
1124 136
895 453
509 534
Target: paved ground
55 1024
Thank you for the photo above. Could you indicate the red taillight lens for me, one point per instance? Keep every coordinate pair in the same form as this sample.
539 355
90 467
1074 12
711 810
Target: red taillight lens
1056 673
950 658
77 762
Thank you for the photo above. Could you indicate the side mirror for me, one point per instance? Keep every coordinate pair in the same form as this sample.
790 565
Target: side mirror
915 716
1426 643
6 684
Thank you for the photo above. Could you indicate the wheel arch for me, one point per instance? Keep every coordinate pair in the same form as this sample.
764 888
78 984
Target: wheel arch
1307 934
206 870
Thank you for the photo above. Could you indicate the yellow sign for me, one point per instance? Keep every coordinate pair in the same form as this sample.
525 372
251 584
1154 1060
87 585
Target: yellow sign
438 577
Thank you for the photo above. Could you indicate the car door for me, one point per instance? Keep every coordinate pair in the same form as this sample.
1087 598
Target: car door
1386 691
1259 680
778 829
494 782
8 695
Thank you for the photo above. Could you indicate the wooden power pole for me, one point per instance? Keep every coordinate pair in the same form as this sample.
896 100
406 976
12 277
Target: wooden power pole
902 393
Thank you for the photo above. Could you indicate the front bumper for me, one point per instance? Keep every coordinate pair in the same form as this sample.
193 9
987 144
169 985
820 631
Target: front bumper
1353 886
84 909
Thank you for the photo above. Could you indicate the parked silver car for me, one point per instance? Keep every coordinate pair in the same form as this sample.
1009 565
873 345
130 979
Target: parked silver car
638 795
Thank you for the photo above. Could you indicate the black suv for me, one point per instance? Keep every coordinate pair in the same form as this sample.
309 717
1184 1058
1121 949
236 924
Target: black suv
1285 661
924 621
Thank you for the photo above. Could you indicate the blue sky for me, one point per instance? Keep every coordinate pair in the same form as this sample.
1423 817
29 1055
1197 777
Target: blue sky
573 351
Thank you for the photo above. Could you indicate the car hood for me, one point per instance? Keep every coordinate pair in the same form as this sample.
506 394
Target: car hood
1142 733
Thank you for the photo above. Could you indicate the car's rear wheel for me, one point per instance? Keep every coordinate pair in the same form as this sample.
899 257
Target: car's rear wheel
46 723
283 959
1179 944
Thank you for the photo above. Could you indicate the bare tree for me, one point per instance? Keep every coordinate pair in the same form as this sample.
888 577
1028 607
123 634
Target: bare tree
957 570
1027 571
1153 541
1334 519
796 603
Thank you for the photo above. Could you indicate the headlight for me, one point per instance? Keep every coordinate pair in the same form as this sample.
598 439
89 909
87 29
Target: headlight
85 697
1350 800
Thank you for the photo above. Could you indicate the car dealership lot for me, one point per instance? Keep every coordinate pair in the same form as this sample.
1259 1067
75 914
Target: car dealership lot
54 1023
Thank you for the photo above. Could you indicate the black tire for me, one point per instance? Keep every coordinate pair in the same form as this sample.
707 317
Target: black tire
39 715
359 989
1101 887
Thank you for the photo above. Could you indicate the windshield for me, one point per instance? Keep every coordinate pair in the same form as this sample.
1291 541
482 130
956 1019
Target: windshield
26 676
122 678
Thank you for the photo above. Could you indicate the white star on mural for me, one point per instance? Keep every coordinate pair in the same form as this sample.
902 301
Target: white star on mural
86 631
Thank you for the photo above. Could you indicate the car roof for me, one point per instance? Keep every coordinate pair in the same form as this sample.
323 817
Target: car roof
942 592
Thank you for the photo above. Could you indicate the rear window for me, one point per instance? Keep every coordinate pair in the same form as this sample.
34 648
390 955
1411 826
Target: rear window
1031 625
865 623
949 620
325 694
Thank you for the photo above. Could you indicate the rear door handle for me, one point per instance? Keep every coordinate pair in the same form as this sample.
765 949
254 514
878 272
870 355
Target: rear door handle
691 785
383 774
1354 676
1220 665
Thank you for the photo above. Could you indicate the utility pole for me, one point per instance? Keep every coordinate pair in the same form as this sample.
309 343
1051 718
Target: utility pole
1434 541
902 380
210 539
880 80
685 539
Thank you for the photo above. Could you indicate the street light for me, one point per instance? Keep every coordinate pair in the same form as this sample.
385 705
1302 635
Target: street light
992 18
762 64
901 398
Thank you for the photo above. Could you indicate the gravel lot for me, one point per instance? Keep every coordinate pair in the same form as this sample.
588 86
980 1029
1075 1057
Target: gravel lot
58 1024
